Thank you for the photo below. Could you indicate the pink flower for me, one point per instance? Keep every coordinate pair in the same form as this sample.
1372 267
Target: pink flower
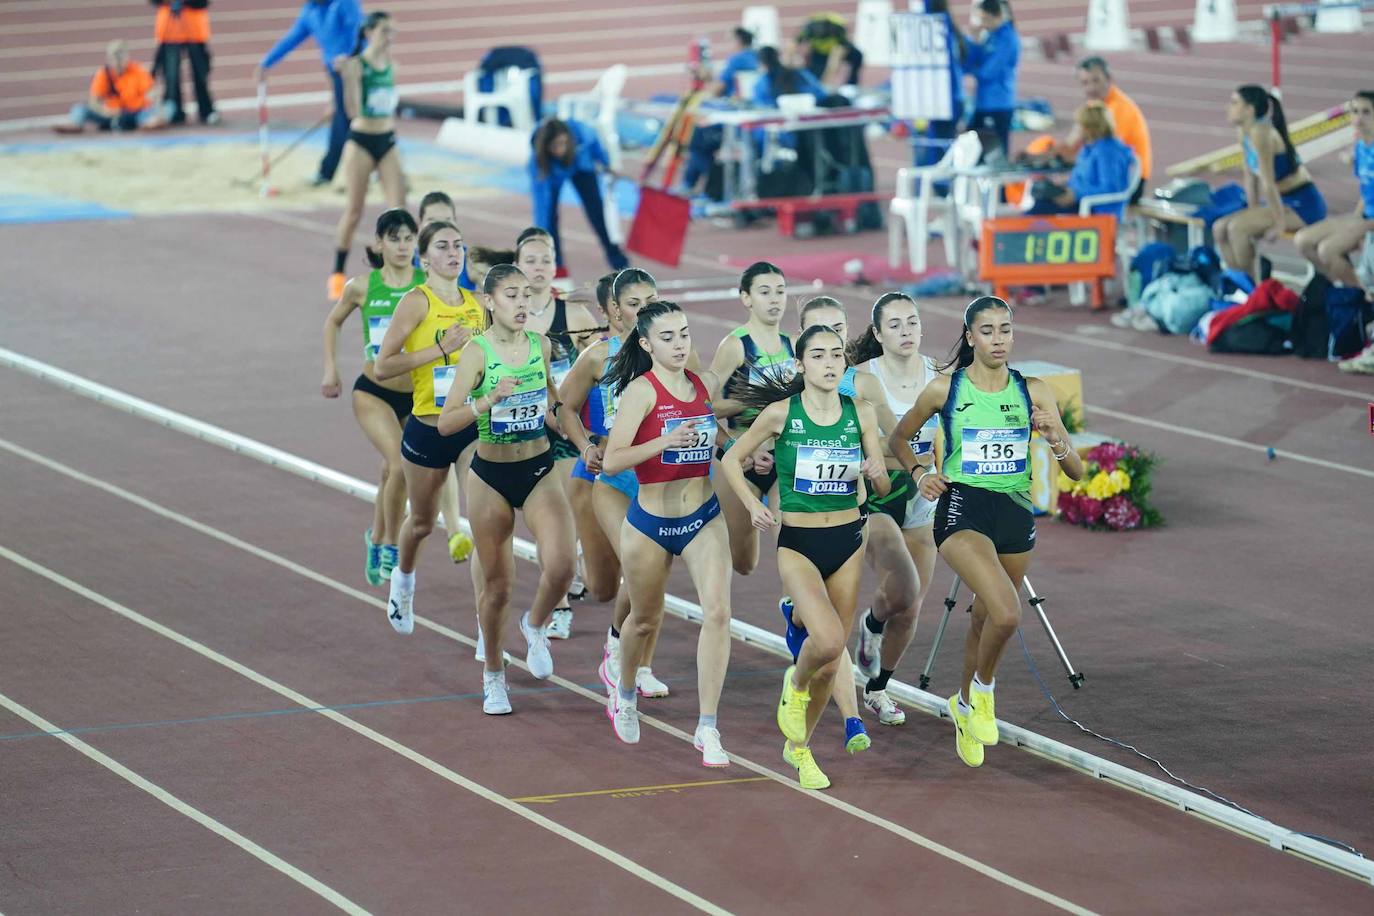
1120 514
1107 455
1092 510
1069 508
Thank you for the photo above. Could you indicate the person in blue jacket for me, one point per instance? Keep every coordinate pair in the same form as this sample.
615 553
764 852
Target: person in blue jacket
993 61
570 151
335 25
1103 166
744 60
940 134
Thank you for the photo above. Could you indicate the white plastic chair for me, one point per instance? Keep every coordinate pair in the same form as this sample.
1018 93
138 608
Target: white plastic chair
599 108
1078 292
510 90
911 207
763 22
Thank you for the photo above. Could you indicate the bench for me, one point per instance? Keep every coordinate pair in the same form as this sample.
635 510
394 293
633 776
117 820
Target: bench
1281 260
787 208
1162 211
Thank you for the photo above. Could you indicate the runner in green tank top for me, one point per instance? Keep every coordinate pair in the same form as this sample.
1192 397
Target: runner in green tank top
503 384
369 93
380 407
756 345
983 523
826 445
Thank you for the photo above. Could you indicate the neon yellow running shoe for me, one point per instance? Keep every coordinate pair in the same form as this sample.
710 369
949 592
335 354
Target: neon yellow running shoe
969 750
983 723
808 774
792 709
459 547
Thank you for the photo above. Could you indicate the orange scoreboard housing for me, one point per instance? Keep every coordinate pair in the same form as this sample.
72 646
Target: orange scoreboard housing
1048 251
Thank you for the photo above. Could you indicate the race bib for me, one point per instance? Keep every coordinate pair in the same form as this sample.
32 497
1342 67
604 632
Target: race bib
923 443
700 451
825 471
376 331
611 403
443 381
519 413
382 100
994 452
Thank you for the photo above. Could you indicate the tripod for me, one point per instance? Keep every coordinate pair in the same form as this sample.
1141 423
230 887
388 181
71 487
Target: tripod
1075 677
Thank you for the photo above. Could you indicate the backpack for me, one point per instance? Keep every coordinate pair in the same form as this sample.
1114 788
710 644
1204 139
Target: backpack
1263 333
1149 264
1311 339
1346 315
1177 301
1227 199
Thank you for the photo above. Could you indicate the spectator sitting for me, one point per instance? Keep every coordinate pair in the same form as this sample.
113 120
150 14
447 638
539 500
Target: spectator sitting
1328 244
1127 120
184 25
779 79
827 52
123 96
744 60
1103 166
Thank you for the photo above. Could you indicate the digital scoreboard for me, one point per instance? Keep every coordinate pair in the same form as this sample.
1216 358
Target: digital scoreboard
1048 251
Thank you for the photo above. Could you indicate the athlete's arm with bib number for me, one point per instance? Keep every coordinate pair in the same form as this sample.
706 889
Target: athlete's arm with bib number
931 484
351 299
1046 420
576 388
767 426
872 467
458 414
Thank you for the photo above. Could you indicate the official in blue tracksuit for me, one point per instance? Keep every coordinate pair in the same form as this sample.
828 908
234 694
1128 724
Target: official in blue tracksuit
1103 166
744 60
336 26
570 151
940 134
993 62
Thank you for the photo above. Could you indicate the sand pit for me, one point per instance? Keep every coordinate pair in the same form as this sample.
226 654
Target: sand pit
158 174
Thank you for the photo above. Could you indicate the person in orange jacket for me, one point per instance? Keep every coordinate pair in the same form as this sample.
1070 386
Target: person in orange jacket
184 26
123 96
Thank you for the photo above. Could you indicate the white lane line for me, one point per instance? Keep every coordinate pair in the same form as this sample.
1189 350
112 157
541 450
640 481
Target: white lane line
634 868
278 560
1227 440
265 856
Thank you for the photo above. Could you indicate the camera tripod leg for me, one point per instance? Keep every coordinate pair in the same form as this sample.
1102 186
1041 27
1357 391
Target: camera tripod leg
939 634
1035 601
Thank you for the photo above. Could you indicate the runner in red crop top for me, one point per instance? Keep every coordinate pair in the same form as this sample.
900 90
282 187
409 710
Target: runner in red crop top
666 431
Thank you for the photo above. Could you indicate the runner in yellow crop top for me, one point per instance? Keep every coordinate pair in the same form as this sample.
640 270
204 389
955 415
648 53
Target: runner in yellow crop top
430 326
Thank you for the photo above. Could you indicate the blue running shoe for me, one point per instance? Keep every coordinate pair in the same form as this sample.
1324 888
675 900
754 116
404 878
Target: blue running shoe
795 635
855 735
373 570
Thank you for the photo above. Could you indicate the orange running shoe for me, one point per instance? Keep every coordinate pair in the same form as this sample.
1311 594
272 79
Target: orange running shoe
336 286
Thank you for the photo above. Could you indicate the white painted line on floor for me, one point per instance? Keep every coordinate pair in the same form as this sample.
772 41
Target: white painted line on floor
634 868
180 807
278 560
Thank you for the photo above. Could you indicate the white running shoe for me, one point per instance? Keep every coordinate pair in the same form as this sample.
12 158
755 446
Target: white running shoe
869 656
495 699
1361 363
400 609
560 625
609 674
480 653
882 705
537 652
707 740
624 718
648 685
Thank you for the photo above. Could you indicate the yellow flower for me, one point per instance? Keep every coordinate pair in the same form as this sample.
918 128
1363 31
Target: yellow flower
1102 486
1066 483
1121 479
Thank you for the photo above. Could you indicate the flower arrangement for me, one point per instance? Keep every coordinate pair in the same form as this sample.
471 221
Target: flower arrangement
1114 492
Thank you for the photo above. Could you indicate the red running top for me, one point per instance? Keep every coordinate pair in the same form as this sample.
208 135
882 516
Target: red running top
668 413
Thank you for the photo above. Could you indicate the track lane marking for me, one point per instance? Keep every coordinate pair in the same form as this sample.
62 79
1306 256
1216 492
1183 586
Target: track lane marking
599 698
668 787
263 855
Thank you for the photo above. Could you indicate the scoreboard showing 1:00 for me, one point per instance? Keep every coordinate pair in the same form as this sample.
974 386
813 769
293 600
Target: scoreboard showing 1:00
1055 246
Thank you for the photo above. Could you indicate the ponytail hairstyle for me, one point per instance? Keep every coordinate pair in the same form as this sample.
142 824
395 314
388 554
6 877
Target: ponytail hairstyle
370 22
389 224
961 354
1266 104
782 78
633 360
628 277
867 345
774 385
960 42
756 270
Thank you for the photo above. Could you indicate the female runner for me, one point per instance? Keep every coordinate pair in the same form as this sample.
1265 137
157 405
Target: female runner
901 544
506 372
559 321
666 433
381 409
745 354
823 443
983 523
611 493
370 99
430 326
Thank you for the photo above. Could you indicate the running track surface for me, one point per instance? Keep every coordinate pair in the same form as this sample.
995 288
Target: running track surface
1230 643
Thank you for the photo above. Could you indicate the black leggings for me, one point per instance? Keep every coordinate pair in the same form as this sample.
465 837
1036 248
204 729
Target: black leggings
514 480
827 548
